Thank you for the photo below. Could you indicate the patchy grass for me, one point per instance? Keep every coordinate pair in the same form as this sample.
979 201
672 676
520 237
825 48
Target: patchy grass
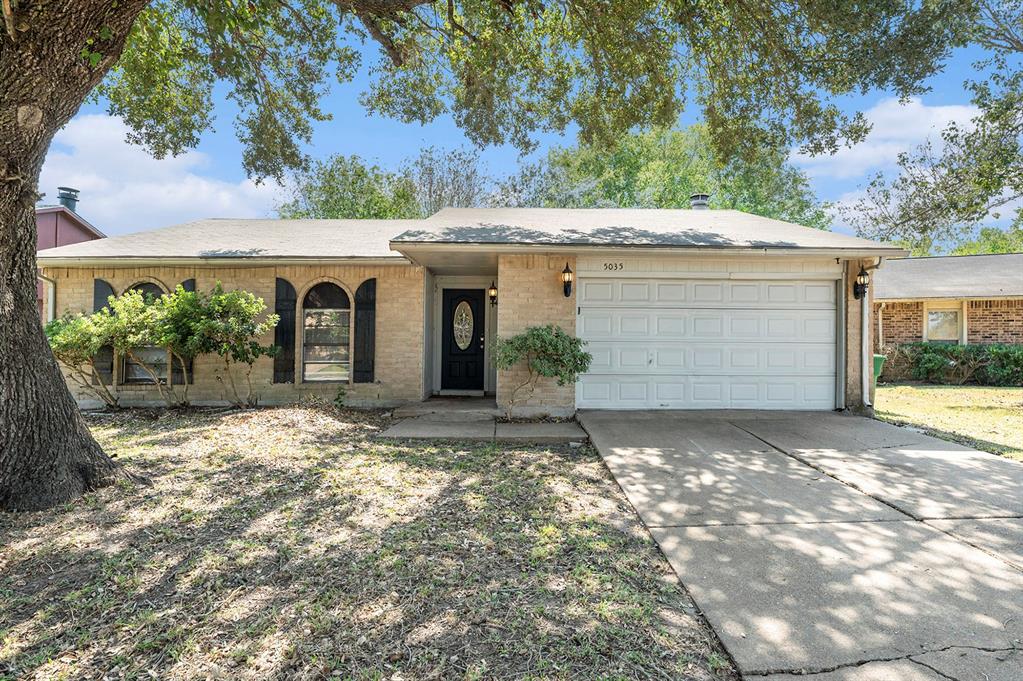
286 543
990 419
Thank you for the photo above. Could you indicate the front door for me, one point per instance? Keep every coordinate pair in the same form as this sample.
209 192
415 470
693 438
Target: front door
463 338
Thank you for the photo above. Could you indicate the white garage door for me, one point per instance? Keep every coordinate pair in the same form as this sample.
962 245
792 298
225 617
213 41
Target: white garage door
707 344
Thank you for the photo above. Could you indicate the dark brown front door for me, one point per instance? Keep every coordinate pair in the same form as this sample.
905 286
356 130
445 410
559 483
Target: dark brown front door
463 338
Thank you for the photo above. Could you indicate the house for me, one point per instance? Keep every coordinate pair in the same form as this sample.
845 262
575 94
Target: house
950 299
61 225
681 309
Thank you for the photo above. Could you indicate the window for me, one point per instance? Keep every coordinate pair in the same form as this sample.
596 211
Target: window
326 334
154 358
943 326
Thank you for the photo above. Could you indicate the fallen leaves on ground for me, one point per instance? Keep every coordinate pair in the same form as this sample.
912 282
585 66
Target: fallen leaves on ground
287 543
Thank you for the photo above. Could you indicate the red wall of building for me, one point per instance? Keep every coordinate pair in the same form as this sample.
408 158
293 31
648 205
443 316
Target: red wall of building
56 227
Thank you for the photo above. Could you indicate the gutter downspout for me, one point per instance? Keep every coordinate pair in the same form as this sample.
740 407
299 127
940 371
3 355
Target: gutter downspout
51 297
880 326
866 361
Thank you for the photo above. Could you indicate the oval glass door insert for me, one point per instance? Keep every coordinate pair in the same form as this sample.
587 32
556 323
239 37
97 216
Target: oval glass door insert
463 323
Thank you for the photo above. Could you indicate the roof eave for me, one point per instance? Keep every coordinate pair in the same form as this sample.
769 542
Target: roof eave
842 252
133 261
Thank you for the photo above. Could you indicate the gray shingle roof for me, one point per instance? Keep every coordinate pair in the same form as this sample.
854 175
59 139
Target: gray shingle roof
965 276
626 227
229 238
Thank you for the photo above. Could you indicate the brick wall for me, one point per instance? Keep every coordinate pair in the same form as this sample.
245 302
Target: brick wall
901 322
532 295
399 327
994 321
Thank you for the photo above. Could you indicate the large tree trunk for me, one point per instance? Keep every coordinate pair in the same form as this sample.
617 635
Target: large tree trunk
47 455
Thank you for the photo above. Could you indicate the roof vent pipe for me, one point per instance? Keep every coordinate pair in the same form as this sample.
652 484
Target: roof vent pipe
68 197
699 201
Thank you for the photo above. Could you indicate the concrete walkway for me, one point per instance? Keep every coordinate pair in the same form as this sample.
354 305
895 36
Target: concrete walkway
474 420
831 545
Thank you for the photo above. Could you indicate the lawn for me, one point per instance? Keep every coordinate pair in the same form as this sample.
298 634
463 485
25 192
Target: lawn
986 418
288 544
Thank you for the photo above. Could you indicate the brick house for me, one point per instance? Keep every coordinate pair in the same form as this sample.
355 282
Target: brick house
681 309
61 225
952 299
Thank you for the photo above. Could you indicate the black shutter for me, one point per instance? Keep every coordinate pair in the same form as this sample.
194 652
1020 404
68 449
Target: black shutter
284 333
104 359
177 372
365 332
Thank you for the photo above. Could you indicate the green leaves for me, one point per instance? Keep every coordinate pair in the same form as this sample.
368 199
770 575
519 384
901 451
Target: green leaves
662 169
547 351
764 74
347 188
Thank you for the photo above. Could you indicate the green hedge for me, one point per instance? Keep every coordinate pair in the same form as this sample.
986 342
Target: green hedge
955 364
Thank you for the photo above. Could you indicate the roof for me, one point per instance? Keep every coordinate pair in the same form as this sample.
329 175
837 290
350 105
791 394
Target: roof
232 239
959 276
85 224
628 227
458 228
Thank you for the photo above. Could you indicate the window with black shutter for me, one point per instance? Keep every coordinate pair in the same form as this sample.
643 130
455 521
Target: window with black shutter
363 367
284 333
104 359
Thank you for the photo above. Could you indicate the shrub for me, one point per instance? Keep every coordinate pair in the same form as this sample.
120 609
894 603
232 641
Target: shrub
546 351
75 341
956 364
230 328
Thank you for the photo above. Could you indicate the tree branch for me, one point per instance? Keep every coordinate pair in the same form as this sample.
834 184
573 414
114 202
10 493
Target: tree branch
9 19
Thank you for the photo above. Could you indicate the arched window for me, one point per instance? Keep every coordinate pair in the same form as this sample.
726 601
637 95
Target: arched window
152 357
326 334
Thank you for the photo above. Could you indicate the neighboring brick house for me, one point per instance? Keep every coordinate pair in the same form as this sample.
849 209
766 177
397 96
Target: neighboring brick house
951 299
60 225
681 309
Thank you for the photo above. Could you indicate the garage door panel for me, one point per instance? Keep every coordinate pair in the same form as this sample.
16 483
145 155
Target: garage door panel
735 325
708 344
650 357
707 293
705 392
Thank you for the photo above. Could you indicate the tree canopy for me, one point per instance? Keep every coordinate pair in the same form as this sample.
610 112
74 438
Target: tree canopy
947 188
662 169
764 73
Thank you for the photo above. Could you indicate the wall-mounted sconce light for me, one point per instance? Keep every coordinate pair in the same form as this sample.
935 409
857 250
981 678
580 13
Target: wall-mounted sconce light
566 279
862 282
492 293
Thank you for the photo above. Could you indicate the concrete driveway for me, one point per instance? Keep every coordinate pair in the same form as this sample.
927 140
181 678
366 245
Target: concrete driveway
833 545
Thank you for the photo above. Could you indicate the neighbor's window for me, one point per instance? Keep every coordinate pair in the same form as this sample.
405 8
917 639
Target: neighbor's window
154 358
326 334
943 326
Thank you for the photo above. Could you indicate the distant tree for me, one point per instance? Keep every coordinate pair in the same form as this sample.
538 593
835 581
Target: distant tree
993 240
345 187
447 178
944 190
662 169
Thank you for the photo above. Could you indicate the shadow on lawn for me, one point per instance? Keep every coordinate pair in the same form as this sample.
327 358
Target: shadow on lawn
266 553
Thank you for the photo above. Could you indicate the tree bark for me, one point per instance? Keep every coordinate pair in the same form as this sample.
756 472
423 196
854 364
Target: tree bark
47 455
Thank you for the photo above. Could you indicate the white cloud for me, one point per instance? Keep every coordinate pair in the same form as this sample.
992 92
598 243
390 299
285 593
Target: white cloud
124 189
896 127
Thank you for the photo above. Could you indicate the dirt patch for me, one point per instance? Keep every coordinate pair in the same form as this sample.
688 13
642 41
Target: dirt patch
288 544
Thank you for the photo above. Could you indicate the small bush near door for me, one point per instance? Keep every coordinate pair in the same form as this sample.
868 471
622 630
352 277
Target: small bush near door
998 364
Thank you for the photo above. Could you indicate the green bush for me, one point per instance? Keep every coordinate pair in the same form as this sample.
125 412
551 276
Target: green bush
546 351
956 364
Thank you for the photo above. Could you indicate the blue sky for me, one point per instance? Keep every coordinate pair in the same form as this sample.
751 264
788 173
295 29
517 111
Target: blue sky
124 190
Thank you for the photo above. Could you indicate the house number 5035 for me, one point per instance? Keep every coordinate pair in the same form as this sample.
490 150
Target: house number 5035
614 266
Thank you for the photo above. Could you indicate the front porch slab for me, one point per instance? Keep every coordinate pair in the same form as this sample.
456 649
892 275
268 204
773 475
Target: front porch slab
445 426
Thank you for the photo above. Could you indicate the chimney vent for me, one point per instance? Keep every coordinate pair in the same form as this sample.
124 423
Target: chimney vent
699 201
68 197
